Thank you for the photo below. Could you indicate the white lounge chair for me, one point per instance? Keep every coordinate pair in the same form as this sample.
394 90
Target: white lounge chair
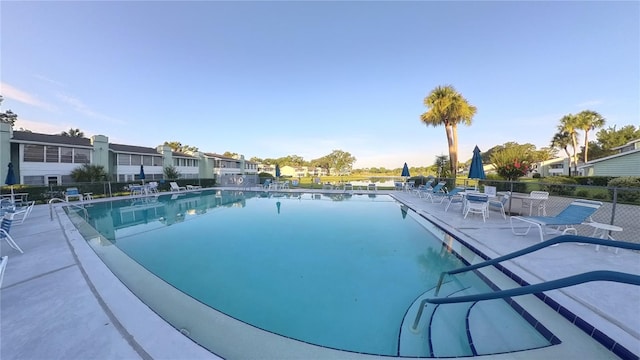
3 265
495 204
578 212
175 187
23 213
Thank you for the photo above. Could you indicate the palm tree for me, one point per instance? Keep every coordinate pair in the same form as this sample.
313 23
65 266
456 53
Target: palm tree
445 106
589 120
569 124
73 133
561 140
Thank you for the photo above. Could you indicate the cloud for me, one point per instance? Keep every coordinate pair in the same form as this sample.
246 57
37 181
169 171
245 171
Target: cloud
40 126
10 92
82 108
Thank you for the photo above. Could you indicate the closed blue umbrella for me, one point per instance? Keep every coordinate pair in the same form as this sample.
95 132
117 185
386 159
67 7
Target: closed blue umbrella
405 170
11 178
476 171
277 170
142 173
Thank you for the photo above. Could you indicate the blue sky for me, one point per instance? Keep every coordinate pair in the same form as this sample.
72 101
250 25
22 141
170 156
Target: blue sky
271 79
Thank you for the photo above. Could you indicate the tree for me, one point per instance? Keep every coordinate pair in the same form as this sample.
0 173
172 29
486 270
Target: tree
341 161
8 116
610 137
171 172
178 147
512 162
569 124
446 107
588 120
441 167
231 155
73 133
561 140
89 173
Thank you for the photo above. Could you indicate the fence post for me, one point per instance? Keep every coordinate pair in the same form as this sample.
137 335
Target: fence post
510 196
613 204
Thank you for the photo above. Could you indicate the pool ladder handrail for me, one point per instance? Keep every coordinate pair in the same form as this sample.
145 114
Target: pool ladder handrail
530 249
600 275
86 215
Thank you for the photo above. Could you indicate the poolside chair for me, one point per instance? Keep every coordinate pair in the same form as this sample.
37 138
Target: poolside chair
3 265
426 187
476 203
453 197
372 187
267 184
576 213
398 186
495 204
435 191
537 199
22 213
72 193
4 231
175 187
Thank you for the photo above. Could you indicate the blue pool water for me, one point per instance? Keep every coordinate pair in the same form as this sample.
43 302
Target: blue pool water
337 271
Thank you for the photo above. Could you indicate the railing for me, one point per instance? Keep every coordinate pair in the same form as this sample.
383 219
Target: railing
86 215
531 289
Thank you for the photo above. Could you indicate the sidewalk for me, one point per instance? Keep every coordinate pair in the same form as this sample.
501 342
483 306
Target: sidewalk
58 301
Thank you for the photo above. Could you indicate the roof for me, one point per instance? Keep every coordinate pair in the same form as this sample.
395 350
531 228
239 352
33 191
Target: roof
181 154
218 156
625 145
609 157
30 137
133 149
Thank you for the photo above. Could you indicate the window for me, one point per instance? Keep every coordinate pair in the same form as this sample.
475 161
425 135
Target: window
81 156
136 159
66 179
157 161
34 153
124 159
33 180
66 155
147 160
52 154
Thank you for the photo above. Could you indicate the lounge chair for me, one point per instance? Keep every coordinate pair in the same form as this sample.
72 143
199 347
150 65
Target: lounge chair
4 231
453 197
434 191
576 213
22 213
72 193
175 187
372 187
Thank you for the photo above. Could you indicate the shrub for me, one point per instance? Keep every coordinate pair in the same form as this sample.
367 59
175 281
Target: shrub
627 196
601 196
582 193
536 175
559 185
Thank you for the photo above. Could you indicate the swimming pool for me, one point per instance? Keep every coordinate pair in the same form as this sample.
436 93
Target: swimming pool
337 271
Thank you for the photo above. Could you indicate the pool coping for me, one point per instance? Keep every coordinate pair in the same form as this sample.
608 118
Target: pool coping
155 337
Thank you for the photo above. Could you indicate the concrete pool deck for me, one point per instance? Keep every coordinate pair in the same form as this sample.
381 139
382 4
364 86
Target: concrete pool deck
58 301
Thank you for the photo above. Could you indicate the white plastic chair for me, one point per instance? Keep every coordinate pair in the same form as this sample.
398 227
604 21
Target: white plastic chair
477 204
499 205
537 199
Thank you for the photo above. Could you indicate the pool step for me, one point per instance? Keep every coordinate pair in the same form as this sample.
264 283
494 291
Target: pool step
416 342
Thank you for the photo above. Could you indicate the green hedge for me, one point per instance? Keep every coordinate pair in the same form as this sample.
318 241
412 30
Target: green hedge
626 196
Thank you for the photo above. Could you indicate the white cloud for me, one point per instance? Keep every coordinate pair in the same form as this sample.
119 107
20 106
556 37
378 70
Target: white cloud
82 108
11 92
39 126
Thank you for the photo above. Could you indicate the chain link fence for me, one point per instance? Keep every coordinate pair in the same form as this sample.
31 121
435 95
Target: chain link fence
620 206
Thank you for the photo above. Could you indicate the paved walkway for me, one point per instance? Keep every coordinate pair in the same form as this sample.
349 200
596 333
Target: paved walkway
58 301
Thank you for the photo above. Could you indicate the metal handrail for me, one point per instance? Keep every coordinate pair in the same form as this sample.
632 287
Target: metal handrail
530 249
86 214
600 275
